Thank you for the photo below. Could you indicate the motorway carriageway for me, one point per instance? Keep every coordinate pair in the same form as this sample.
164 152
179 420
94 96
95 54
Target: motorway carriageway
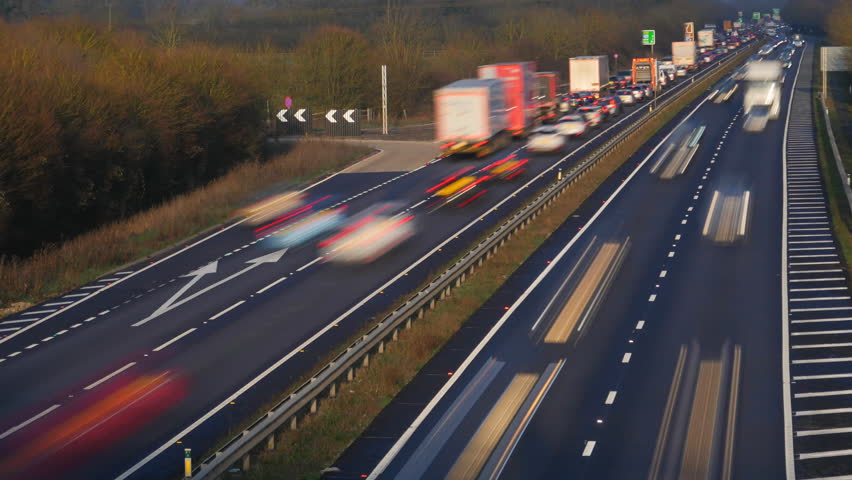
245 321
643 340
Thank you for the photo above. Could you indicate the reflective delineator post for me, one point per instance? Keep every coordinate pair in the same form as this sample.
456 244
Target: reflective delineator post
187 462
559 175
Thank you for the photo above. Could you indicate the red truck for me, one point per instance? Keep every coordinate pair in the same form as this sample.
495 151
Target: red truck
518 90
545 94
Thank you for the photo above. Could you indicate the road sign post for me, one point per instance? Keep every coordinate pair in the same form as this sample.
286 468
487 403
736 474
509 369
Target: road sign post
384 99
649 37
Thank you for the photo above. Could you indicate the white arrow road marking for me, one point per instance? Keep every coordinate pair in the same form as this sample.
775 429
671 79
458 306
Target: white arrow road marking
196 276
348 116
281 115
256 262
330 116
299 114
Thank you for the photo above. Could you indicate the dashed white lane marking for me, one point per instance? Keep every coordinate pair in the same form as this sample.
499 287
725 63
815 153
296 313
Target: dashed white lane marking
309 264
822 360
11 355
276 282
104 379
175 339
652 297
23 320
24 424
822 345
825 411
61 332
76 295
30 347
610 397
823 394
11 329
214 317
76 325
626 357
38 312
823 377
663 274
589 448
640 324
824 431
89 319
671 254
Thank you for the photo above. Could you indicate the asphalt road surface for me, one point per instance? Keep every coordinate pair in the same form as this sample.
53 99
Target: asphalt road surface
645 339
116 378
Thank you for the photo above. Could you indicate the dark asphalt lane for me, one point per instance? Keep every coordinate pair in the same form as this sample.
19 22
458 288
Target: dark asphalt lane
216 358
717 289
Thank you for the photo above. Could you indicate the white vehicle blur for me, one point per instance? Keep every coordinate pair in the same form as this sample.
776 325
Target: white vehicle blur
572 125
762 98
369 235
592 114
545 139
626 96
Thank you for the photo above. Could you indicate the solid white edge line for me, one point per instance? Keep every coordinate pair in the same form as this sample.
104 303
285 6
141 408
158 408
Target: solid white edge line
174 254
104 379
785 328
394 450
331 325
214 317
31 420
175 339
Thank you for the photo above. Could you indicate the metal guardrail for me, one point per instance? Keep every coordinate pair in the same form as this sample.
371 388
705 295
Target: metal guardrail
324 383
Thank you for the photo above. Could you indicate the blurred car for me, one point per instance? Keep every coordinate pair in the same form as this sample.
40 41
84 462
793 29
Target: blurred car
572 125
681 71
627 74
611 105
638 92
507 168
292 214
307 228
592 114
369 235
646 89
272 207
545 139
589 97
626 96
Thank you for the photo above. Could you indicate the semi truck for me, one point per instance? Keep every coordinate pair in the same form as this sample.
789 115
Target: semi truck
705 38
518 92
762 98
683 53
545 93
471 117
645 71
588 74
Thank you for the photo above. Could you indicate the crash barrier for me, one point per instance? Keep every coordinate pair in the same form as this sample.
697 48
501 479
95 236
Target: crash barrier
325 383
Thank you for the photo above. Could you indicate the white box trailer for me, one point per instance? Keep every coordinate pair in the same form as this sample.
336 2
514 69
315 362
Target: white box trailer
471 116
705 38
683 53
588 74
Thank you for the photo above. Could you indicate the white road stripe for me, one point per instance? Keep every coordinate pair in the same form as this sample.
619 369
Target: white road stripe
821 320
309 264
830 393
175 339
590 446
93 385
824 431
38 312
23 320
214 317
822 377
276 282
822 345
24 424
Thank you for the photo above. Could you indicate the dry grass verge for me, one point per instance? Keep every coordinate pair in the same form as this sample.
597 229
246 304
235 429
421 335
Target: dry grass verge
55 270
322 437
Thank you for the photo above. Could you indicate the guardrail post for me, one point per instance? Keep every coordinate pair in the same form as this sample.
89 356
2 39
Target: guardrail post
366 361
246 462
382 346
332 390
294 422
270 442
314 404
395 335
432 304
350 374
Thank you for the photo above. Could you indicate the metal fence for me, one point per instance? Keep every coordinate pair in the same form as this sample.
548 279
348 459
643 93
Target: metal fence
305 400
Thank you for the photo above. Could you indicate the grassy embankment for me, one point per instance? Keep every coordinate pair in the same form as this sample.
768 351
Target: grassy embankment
87 257
841 217
322 437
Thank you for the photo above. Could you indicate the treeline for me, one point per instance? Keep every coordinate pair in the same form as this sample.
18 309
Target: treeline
833 17
95 126
335 66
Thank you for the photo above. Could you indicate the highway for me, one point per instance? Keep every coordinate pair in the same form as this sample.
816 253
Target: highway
645 339
116 378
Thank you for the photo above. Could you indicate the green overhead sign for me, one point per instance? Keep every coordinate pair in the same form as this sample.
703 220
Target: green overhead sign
755 16
649 37
776 11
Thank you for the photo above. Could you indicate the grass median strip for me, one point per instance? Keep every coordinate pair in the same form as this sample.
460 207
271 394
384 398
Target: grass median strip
323 436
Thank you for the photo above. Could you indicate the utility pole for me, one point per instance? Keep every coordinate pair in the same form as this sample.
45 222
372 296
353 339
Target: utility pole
384 99
109 15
